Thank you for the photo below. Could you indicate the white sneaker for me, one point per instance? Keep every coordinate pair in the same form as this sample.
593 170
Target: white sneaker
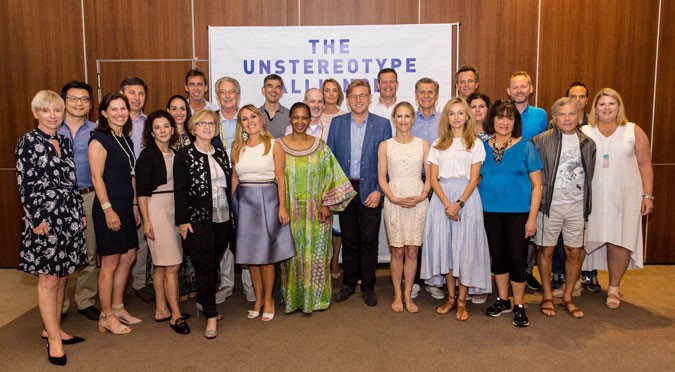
250 295
415 290
435 292
221 295
479 298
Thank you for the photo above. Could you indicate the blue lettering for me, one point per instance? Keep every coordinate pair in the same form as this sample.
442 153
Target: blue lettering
344 46
309 66
329 47
294 63
323 66
367 61
280 68
352 66
410 65
314 43
294 89
380 63
264 67
337 66
395 63
248 70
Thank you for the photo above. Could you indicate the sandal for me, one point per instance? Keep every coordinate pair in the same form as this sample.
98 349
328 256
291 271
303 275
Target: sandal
103 325
397 305
575 312
462 313
411 306
613 300
446 307
131 320
547 310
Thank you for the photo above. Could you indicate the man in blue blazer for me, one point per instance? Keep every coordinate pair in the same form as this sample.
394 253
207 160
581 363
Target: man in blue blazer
354 139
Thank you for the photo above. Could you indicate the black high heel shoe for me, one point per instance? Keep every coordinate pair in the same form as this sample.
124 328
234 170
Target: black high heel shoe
71 341
57 361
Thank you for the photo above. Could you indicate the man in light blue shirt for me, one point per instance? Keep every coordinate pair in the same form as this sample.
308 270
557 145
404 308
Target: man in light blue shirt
426 117
77 127
534 119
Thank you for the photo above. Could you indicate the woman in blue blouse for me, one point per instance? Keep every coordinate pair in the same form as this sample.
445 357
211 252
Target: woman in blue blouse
511 192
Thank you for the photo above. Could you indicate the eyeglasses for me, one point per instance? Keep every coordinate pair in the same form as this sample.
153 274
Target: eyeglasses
74 99
361 96
206 123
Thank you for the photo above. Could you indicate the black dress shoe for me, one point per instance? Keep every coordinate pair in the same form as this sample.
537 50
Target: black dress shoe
144 295
71 341
370 298
91 312
57 361
344 294
185 316
180 326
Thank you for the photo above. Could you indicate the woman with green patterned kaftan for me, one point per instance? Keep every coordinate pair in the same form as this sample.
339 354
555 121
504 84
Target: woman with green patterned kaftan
315 187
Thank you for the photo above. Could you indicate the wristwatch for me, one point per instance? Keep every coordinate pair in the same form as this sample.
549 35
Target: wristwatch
461 202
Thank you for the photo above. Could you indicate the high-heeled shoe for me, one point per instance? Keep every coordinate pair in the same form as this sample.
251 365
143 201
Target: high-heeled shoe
200 309
103 326
252 314
210 334
57 361
71 341
131 320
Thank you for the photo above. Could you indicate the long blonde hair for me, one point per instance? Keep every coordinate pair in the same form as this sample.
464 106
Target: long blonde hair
621 118
238 144
445 133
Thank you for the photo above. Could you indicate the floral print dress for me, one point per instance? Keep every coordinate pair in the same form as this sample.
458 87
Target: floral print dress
48 191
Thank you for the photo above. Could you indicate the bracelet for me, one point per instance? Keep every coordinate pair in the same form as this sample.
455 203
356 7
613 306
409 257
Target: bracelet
648 196
105 206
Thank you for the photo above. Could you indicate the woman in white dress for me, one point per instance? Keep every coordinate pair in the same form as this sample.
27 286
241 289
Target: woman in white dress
623 187
456 246
405 207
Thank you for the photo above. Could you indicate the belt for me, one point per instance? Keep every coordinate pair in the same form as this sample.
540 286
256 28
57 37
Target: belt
86 191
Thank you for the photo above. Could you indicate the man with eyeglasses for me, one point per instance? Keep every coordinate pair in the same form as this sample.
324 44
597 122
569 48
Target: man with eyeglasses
466 81
387 85
77 126
135 89
228 92
275 115
354 139
196 86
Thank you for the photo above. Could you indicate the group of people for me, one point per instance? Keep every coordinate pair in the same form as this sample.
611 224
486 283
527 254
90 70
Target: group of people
465 193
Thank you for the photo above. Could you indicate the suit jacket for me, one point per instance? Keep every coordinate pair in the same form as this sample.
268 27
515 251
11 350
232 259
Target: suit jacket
339 141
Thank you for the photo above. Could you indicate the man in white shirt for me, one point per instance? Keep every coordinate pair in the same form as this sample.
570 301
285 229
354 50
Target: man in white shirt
196 86
314 99
387 84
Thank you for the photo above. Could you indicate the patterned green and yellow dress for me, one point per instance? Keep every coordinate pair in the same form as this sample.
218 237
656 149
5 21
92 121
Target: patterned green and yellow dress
313 179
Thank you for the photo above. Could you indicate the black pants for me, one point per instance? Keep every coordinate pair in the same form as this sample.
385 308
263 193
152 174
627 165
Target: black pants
360 226
508 246
206 247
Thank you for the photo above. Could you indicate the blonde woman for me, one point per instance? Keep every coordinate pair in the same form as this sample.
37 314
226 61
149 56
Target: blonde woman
263 234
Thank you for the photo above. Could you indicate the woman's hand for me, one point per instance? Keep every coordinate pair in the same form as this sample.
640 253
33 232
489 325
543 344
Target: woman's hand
530 228
112 220
324 214
452 211
647 206
403 202
84 223
148 230
137 215
283 216
184 228
42 229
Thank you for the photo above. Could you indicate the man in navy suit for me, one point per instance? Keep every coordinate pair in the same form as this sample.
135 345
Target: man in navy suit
354 139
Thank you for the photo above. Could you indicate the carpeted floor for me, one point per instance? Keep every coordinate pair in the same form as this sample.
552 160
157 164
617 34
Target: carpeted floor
351 336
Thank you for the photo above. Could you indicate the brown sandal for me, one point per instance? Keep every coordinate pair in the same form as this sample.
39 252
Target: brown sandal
573 312
549 311
411 307
447 306
397 305
462 313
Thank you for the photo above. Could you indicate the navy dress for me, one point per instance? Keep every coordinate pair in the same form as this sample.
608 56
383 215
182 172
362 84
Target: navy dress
48 190
118 183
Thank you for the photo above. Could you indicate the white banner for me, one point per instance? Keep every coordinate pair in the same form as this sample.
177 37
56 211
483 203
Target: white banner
306 55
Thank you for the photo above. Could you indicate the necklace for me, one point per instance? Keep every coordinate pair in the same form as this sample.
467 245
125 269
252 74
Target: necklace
498 152
131 158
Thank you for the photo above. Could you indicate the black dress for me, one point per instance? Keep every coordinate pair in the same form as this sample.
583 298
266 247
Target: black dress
48 190
118 183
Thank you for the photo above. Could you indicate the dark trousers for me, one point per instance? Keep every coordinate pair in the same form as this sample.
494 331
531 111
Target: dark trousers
508 246
360 228
206 247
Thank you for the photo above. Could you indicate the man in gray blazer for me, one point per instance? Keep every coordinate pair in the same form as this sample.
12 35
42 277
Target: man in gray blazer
354 139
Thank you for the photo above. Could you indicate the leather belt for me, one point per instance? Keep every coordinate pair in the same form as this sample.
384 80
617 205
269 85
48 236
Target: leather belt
86 191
